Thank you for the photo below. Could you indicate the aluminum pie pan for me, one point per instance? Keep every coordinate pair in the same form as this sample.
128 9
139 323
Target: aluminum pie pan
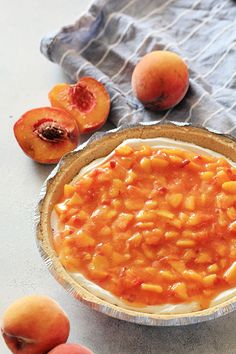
99 145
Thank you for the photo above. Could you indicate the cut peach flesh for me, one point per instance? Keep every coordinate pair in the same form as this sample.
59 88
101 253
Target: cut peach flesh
27 129
93 113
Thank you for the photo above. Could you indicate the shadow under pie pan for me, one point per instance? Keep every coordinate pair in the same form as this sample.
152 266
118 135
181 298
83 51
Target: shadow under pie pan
100 145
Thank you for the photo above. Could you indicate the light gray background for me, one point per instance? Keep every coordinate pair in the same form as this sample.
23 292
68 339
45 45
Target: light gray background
26 77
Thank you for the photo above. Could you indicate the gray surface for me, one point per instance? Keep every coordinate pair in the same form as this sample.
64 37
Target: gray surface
25 83
112 36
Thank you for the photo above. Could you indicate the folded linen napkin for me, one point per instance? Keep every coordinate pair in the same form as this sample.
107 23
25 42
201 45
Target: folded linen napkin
111 37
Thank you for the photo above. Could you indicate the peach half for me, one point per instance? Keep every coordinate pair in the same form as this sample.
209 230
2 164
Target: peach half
46 134
88 102
160 80
68 348
34 325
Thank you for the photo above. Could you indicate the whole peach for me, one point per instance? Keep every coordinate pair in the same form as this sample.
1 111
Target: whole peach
160 80
34 325
70 349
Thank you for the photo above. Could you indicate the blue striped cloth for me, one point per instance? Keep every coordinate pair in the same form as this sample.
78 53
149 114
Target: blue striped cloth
108 41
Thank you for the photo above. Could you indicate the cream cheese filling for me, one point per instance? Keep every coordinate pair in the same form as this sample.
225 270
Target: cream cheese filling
106 295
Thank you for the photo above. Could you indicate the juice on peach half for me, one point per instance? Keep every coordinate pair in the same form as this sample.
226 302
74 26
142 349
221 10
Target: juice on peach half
87 102
145 238
46 134
160 80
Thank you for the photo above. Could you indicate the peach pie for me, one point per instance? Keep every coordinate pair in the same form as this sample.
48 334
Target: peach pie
151 226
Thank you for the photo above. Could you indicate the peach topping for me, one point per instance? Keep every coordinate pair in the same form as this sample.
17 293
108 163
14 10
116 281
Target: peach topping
152 226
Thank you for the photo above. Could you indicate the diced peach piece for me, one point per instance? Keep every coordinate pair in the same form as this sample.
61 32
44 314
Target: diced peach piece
165 214
203 257
105 231
103 177
124 150
98 274
69 262
151 204
99 262
75 200
85 256
145 215
179 266
117 188
170 235
158 163
190 203
185 243
85 183
123 221
232 226
145 164
135 240
183 217
175 199
145 225
72 211
116 203
189 255
82 215
118 258
222 219
192 275
221 248
132 204
171 151
233 249
203 199
212 166
139 261
131 177
221 177
167 275
212 268
209 280
193 166
61 208
206 176
68 190
231 213
176 160
229 187
83 239
152 237
151 287
148 252
176 223
145 150
180 290
150 271
193 220
105 249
